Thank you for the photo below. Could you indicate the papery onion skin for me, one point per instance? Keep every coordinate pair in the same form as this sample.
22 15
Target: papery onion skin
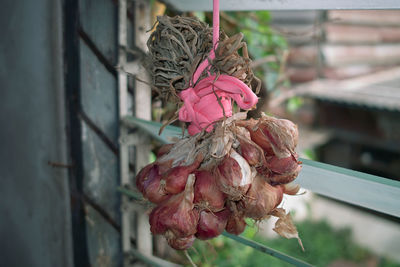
206 192
182 153
164 166
179 243
290 188
284 226
261 199
212 224
277 137
176 214
164 149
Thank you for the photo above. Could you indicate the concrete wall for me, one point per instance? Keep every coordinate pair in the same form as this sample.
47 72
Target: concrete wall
35 223
59 128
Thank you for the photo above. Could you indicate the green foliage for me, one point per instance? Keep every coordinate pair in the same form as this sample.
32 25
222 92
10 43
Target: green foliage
152 157
294 104
200 15
310 154
262 42
323 245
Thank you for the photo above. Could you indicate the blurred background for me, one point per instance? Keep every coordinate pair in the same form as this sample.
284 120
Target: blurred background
335 73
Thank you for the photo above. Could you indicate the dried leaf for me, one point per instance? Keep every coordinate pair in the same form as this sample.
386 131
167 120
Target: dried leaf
221 143
284 226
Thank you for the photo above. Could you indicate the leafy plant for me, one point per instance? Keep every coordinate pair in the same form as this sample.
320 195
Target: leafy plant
323 246
264 44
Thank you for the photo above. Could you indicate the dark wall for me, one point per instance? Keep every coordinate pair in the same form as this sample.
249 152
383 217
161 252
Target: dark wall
59 129
35 223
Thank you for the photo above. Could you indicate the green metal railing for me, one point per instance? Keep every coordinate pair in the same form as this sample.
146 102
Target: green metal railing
365 190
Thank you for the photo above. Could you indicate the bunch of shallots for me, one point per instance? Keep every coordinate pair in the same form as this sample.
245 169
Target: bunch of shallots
210 182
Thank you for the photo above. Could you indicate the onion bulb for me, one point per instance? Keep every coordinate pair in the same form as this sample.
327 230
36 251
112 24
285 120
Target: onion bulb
234 176
174 181
284 170
176 214
206 192
253 153
236 223
211 224
277 137
261 199
148 181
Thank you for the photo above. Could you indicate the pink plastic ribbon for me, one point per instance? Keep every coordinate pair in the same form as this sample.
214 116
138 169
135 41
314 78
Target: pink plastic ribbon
201 107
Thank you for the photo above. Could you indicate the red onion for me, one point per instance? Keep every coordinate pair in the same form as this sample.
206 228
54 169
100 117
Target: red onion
211 224
206 192
253 153
282 165
148 182
276 136
234 176
236 223
153 190
174 180
142 177
261 199
283 170
285 178
176 214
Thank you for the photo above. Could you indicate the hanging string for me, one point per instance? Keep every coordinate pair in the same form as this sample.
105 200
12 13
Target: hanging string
215 23
205 64
209 99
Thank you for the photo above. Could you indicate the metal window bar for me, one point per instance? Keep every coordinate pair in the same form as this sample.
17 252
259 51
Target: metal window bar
239 5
